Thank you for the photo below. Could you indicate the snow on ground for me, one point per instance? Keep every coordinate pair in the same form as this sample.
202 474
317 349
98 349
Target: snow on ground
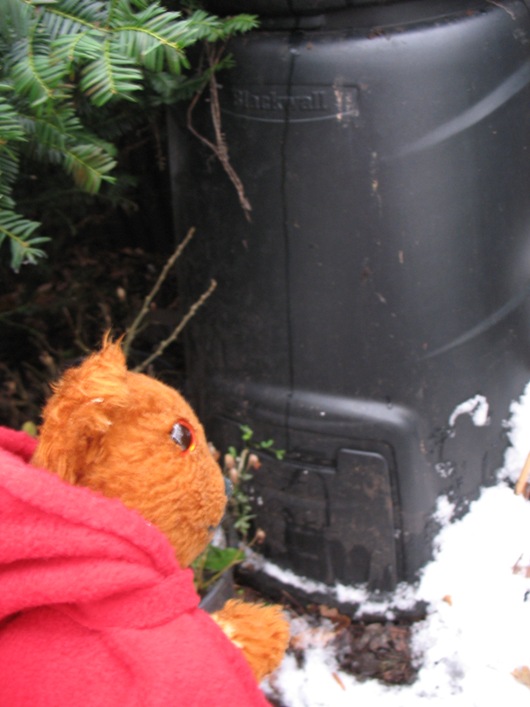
477 629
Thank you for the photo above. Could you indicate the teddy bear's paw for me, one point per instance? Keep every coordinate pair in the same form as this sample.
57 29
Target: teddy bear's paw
260 631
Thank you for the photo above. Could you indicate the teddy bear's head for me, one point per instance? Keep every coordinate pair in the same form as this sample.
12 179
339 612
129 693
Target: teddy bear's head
131 437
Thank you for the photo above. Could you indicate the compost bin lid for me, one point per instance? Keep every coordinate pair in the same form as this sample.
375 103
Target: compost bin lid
286 7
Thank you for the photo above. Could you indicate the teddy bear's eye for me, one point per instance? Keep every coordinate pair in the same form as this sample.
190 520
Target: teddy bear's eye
183 435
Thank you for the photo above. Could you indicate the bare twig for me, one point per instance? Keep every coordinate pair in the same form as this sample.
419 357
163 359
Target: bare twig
133 329
76 329
219 147
177 330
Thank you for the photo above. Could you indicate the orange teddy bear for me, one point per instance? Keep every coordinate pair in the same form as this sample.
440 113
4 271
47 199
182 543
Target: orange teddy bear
95 606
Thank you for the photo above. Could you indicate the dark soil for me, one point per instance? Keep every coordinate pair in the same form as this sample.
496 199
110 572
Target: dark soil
380 651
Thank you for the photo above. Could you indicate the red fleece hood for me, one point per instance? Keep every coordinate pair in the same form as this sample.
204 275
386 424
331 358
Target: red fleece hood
94 608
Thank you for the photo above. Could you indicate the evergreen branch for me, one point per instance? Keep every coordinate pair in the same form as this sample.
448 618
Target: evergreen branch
70 17
110 76
55 137
53 129
89 166
9 167
15 19
19 232
60 59
239 24
10 127
33 72
84 46
150 48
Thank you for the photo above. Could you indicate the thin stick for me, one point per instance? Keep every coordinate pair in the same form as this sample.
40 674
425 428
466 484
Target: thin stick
133 329
219 147
177 330
520 486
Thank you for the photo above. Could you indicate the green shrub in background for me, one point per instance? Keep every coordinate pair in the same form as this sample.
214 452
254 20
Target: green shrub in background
64 67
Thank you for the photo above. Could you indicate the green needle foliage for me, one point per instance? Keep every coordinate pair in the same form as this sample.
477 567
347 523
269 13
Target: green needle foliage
62 62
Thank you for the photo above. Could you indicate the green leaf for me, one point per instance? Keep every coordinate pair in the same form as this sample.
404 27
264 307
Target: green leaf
70 17
15 19
19 232
34 72
10 127
110 76
199 26
152 37
89 166
61 138
242 524
218 559
9 168
239 23
246 433
78 48
30 428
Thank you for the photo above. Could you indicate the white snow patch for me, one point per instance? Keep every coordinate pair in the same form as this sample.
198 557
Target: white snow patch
444 469
518 428
284 576
477 408
444 511
401 599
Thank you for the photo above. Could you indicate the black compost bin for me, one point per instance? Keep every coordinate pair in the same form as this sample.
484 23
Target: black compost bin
372 316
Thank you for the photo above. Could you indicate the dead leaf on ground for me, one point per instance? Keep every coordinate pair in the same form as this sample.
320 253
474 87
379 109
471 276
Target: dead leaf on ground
376 650
521 569
332 613
521 487
312 637
522 675
337 679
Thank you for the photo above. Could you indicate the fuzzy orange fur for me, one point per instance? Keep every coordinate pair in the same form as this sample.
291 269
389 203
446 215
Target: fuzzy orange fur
246 627
109 429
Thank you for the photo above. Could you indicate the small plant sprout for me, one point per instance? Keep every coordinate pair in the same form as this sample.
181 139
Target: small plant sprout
238 467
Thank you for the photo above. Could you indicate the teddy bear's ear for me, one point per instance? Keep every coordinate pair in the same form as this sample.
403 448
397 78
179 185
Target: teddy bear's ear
82 408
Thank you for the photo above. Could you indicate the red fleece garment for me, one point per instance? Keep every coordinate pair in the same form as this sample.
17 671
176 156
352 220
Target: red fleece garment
94 609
